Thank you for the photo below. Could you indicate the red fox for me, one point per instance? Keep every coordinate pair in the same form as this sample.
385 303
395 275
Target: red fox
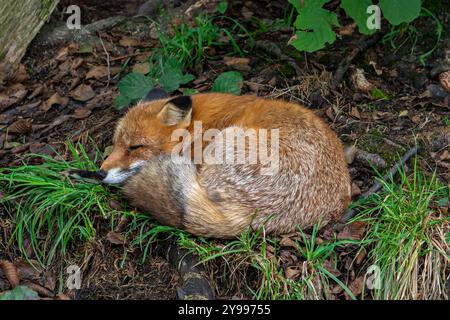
306 182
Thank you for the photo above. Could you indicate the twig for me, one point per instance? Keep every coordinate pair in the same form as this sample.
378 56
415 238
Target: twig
107 60
345 63
273 49
350 213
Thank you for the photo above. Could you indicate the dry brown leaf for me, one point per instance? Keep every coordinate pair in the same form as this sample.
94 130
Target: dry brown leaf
287 242
141 68
11 273
353 231
356 286
83 93
21 126
348 29
115 237
129 42
360 82
354 112
54 99
97 72
292 272
81 113
241 64
356 191
444 79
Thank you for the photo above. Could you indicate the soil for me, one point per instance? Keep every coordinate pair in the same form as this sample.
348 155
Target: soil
51 107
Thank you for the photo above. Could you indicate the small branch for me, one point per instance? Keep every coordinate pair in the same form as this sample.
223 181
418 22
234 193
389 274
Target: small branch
345 63
273 49
350 213
107 60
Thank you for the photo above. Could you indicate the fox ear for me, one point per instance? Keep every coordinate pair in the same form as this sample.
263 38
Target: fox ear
177 111
155 94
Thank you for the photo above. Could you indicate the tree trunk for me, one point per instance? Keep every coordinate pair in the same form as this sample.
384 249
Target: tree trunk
20 21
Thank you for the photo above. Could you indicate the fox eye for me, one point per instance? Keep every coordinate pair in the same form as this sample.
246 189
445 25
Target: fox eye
134 147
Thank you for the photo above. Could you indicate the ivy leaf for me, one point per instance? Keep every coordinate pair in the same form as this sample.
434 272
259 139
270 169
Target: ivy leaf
357 10
399 11
135 85
314 25
228 82
172 75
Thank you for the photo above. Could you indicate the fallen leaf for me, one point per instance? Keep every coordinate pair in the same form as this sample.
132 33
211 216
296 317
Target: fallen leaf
353 231
11 273
347 30
114 204
444 79
292 272
97 72
129 42
241 64
115 237
287 242
356 286
354 112
83 93
21 126
356 191
360 82
141 68
403 113
55 99
81 113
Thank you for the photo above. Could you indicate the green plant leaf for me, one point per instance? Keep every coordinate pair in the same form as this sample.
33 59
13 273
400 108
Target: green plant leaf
228 82
135 85
314 25
122 101
20 293
357 10
172 75
399 11
222 6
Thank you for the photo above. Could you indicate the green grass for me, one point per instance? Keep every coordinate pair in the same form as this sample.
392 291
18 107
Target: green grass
190 45
50 209
406 238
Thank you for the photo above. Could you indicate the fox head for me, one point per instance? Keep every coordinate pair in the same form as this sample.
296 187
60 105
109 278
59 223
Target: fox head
145 131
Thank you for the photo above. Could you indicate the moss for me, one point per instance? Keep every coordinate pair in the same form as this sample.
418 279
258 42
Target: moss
373 142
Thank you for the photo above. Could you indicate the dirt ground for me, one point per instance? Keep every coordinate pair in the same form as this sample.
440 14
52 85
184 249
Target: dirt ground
60 93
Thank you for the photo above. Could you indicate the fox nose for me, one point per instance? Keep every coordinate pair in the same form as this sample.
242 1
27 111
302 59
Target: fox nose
101 174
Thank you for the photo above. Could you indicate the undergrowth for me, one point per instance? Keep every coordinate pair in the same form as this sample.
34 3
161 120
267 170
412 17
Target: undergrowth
408 225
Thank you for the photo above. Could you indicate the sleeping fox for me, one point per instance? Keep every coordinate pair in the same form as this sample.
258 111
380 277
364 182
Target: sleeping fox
214 164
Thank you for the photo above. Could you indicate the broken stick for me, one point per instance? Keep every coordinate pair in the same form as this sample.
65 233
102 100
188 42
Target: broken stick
350 213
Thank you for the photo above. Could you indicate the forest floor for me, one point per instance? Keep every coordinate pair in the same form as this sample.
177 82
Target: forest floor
388 101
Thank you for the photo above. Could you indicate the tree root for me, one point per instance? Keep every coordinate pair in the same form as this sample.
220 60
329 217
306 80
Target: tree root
195 285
